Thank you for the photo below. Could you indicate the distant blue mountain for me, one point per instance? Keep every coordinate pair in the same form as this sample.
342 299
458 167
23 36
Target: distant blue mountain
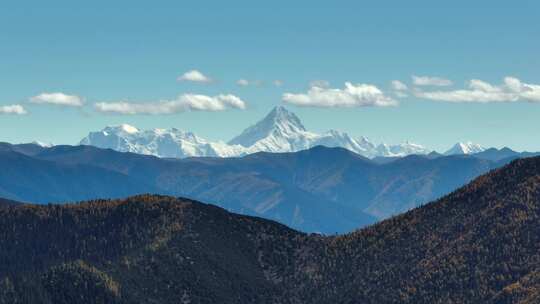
6 202
503 154
328 190
31 179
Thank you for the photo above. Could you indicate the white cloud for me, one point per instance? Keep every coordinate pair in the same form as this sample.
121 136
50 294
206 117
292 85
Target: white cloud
431 81
531 92
258 83
58 98
526 91
242 82
479 91
13 109
400 94
278 83
319 83
194 76
359 95
399 86
193 102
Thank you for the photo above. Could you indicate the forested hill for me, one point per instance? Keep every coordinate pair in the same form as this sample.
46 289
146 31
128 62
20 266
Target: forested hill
6 202
480 244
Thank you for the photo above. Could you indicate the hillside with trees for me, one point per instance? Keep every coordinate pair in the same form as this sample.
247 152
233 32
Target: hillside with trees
479 244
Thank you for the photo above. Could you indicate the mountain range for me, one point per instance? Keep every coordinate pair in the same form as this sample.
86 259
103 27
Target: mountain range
479 244
280 131
321 189
465 148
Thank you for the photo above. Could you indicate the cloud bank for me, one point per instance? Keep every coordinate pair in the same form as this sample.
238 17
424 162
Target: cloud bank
194 76
58 98
359 95
13 109
187 102
479 91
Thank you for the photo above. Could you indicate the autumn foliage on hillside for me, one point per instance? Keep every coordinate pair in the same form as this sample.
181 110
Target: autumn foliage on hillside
479 244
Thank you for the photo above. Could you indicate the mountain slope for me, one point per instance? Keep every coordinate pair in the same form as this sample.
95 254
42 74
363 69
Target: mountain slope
158 142
504 154
26 149
264 183
100 251
480 244
6 202
280 131
412 181
30 179
464 148
464 248
322 189
259 184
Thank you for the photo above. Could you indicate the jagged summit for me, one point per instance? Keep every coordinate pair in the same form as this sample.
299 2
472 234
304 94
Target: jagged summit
279 131
279 122
465 148
159 142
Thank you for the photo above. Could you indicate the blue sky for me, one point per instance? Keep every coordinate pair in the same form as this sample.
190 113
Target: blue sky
111 52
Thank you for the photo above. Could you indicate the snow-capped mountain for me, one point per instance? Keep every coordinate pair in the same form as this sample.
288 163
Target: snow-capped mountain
42 144
159 142
400 150
282 131
335 138
279 131
465 148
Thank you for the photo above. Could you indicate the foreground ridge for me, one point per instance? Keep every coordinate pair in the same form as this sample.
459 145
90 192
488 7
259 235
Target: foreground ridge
479 244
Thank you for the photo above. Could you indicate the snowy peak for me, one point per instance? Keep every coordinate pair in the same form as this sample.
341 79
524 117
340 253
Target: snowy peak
465 148
158 142
334 138
42 144
408 148
400 150
279 122
279 131
123 128
285 120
